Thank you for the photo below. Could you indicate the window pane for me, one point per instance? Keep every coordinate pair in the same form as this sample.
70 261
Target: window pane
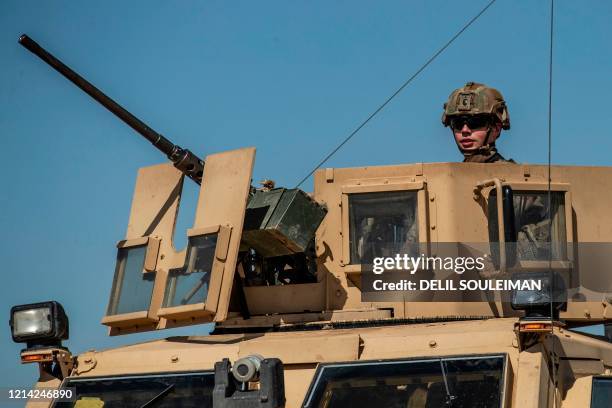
382 224
132 288
540 229
189 285
468 382
602 392
187 391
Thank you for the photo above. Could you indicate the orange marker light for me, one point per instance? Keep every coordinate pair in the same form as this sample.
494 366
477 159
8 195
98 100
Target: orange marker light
535 327
36 358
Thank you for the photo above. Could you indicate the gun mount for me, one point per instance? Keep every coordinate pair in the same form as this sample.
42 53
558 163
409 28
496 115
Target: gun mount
183 159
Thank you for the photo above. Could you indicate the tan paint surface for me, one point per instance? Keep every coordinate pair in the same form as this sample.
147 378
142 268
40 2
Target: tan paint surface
223 198
450 210
153 214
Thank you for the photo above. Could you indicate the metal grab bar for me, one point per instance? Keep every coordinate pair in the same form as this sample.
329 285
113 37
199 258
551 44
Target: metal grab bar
498 183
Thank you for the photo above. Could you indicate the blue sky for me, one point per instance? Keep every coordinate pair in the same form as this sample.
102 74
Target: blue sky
291 78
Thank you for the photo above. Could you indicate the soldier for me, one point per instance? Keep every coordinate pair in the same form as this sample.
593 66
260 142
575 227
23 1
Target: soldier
477 114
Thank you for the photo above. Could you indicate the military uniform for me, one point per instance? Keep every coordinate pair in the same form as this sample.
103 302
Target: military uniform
487 155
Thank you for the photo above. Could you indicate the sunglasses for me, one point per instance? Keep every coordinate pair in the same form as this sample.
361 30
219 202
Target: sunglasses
473 122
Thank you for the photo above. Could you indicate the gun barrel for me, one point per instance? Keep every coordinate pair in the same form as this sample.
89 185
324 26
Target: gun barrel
183 159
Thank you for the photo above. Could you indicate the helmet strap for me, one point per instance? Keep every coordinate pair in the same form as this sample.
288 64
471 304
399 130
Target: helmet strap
489 129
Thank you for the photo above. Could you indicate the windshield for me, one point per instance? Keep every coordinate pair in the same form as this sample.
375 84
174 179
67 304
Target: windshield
454 382
601 393
170 390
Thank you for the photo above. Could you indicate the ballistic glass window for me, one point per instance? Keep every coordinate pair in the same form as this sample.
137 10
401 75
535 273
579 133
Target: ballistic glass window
189 285
475 381
601 393
132 288
382 224
181 390
540 229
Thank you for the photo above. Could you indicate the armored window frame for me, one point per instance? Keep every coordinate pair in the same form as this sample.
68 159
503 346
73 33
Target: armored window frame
149 315
565 189
209 307
419 187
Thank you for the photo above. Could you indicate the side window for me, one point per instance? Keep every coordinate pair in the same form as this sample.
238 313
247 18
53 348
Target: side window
601 393
382 224
540 227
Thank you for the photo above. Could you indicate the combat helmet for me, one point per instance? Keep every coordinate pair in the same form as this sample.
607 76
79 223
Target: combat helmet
476 99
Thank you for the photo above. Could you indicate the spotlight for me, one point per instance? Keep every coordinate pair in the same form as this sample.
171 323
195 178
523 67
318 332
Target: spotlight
39 324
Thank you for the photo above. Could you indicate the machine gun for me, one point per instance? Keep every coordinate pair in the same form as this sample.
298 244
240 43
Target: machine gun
278 222
184 160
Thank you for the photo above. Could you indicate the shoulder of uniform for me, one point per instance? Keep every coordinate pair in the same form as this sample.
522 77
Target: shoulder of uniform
499 158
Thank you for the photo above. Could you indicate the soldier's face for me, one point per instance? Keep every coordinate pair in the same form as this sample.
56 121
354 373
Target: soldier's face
469 139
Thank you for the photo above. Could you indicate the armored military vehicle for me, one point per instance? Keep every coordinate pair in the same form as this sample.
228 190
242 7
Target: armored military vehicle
289 280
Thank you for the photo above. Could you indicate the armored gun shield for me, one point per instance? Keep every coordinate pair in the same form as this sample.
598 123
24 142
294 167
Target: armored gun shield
156 286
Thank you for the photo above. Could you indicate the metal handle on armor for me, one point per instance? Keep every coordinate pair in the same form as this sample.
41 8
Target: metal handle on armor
500 219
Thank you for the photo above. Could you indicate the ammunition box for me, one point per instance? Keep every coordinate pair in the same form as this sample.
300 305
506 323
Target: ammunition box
281 221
